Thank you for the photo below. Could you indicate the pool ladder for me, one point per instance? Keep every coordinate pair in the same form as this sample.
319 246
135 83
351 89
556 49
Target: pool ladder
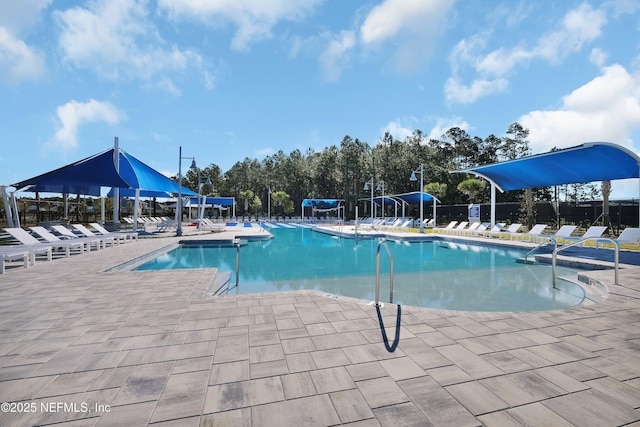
390 348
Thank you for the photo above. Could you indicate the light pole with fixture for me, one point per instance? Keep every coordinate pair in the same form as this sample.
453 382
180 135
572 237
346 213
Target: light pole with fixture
367 186
269 204
179 205
413 178
381 187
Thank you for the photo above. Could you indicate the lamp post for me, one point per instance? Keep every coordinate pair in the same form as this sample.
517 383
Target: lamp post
179 205
367 186
269 204
413 178
203 201
381 187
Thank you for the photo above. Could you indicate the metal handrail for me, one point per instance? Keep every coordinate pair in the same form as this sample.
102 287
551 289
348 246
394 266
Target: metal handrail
383 242
237 244
547 240
616 256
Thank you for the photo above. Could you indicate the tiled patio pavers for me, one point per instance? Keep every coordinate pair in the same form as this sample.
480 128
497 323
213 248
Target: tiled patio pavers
150 348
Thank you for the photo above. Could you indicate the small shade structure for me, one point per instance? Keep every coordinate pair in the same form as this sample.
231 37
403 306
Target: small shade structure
216 202
417 197
322 205
589 162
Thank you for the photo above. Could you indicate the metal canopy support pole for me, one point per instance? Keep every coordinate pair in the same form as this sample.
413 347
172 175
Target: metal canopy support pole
116 190
493 204
8 208
179 204
136 204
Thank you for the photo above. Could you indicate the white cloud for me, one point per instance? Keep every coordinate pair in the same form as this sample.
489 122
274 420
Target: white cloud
18 61
74 114
17 16
116 39
412 25
605 109
579 27
335 55
443 124
253 19
457 92
398 130
391 17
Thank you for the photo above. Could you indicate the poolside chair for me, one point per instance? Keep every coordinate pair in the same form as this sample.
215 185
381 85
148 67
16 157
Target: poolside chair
14 254
68 234
481 228
88 233
532 235
35 246
51 238
449 226
592 232
629 236
124 235
471 229
512 229
495 229
458 229
563 233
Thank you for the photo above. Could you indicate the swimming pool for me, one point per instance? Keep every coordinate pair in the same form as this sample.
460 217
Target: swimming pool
436 274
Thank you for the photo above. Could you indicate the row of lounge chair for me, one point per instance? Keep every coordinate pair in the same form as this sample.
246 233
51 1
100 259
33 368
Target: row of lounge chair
59 239
629 236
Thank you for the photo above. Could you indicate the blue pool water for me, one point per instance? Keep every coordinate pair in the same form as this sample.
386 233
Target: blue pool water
434 274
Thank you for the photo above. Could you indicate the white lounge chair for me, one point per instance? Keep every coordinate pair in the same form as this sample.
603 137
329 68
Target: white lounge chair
512 229
35 246
14 254
629 236
124 235
563 233
495 229
90 241
51 238
459 228
592 232
471 228
112 240
532 235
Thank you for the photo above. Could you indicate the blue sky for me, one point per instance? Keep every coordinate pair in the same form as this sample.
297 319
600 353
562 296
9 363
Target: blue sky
229 79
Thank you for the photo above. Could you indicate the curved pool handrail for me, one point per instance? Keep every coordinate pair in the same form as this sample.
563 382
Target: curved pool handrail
381 243
616 256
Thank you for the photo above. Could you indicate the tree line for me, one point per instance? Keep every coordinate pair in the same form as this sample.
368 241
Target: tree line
341 172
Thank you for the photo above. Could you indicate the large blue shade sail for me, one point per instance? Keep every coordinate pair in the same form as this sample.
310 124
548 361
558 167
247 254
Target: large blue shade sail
82 177
596 161
87 176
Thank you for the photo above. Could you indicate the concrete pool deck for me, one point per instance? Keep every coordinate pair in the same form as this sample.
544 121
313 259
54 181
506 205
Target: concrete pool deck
82 345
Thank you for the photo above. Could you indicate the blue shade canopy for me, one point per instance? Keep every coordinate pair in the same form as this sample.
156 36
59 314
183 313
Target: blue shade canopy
131 192
414 197
595 161
224 201
387 200
82 177
87 176
322 203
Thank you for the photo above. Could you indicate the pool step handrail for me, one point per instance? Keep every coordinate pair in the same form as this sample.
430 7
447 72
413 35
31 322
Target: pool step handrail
616 256
381 243
545 242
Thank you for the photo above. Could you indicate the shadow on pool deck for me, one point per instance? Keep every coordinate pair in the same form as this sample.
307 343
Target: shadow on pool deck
150 348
